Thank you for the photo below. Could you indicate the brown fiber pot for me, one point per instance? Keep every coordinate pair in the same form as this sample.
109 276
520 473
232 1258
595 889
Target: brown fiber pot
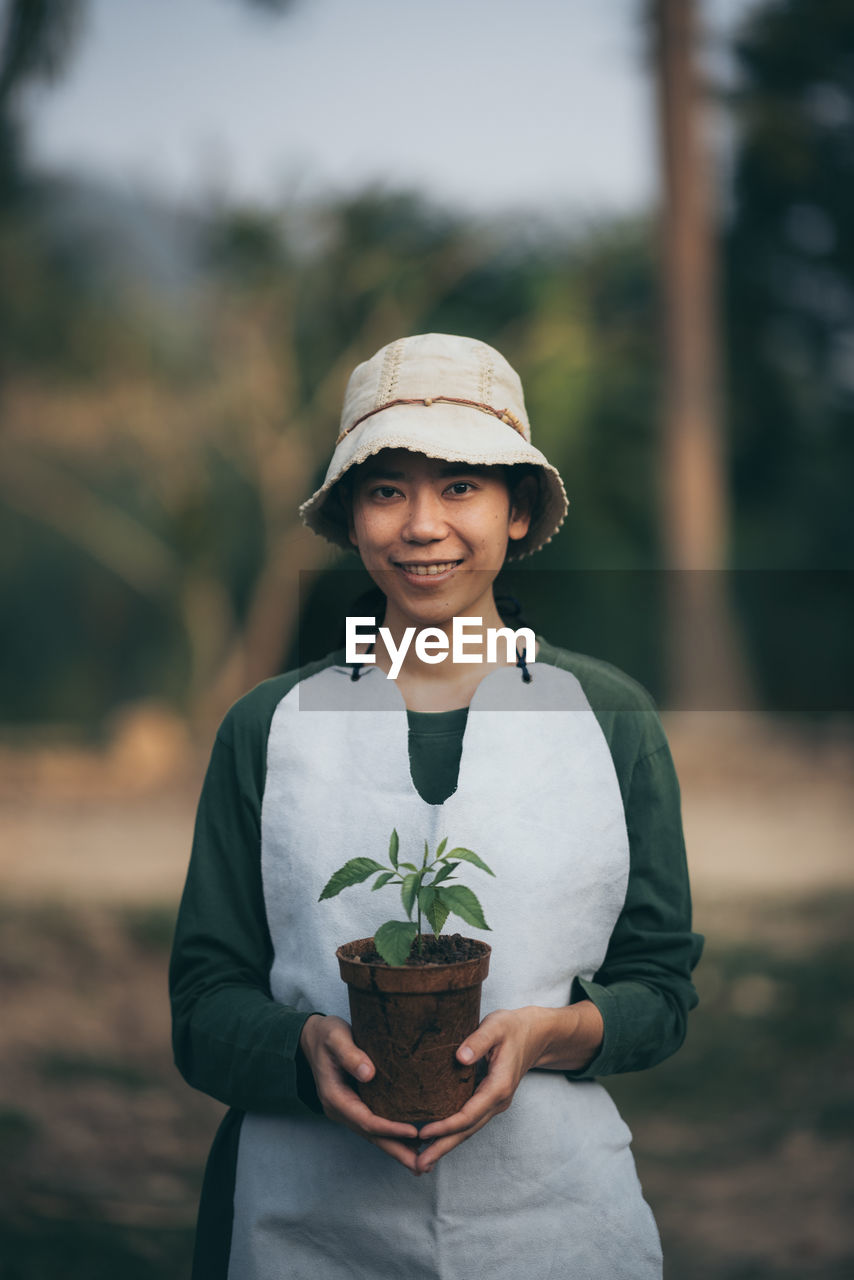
410 1022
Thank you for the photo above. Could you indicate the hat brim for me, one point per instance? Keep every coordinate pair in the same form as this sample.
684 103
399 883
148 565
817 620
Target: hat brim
455 433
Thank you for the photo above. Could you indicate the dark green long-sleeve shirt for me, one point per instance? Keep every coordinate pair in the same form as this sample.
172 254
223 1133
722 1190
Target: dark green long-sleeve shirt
233 1041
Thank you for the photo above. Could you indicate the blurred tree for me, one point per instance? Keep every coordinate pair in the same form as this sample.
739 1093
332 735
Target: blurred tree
183 478
36 40
706 667
85 397
790 282
790 321
177 464
155 443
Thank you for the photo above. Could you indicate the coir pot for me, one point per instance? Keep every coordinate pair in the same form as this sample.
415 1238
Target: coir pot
410 1020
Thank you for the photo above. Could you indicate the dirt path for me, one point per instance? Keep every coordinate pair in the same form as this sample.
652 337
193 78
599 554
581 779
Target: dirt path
741 1140
768 811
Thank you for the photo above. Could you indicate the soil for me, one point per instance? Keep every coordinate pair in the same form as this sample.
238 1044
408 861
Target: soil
448 948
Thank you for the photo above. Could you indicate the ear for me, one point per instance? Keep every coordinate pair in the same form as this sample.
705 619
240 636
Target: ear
522 500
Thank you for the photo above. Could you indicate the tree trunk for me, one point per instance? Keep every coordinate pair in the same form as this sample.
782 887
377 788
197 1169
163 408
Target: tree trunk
705 664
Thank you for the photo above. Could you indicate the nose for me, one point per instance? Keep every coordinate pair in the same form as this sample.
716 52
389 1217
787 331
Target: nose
425 517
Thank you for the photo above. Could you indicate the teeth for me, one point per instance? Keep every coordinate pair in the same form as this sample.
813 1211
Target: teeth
429 570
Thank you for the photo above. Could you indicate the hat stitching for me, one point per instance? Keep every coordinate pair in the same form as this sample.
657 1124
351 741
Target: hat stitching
390 373
487 369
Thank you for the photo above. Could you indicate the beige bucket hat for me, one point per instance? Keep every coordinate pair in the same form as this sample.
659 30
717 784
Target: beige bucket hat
447 397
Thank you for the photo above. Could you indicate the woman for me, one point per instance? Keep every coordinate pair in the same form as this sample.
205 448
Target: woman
553 765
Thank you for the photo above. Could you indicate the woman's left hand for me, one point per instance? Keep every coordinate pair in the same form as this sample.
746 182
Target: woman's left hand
512 1041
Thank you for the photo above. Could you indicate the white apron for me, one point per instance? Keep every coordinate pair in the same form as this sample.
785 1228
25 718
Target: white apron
548 1187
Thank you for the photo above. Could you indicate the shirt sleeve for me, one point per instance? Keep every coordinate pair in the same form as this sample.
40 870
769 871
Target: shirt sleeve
643 988
231 1039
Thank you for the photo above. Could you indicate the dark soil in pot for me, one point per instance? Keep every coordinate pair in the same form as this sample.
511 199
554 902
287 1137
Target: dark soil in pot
448 948
410 1021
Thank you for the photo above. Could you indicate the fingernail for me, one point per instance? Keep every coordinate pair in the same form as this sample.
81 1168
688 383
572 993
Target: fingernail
363 1071
466 1053
427 1169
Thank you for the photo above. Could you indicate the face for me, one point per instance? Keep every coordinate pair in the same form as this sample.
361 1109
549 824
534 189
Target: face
433 535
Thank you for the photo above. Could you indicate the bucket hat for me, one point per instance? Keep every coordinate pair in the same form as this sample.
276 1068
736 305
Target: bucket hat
447 397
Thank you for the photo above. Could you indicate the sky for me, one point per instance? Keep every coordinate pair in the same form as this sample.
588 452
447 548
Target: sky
485 105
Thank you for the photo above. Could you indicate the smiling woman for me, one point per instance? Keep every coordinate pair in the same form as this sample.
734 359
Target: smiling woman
436 491
562 768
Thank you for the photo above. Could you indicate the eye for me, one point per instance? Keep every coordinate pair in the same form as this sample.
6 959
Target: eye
460 487
383 491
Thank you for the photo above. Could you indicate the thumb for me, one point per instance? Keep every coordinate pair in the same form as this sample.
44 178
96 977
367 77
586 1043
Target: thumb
478 1044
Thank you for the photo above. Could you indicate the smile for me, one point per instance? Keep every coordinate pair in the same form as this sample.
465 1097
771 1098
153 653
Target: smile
428 570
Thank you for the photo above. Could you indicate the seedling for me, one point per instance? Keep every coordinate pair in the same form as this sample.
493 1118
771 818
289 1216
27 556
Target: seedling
427 890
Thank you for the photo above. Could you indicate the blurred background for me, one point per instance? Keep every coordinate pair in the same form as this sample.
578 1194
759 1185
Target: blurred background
209 212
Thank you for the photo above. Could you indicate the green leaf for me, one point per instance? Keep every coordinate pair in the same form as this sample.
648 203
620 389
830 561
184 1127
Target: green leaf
433 908
394 939
426 854
410 866
441 848
446 869
467 856
383 879
409 889
463 903
353 872
393 847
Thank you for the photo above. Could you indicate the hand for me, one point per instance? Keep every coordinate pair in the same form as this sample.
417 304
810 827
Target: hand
327 1043
513 1041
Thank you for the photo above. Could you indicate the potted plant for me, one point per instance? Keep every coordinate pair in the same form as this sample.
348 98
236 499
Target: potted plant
414 997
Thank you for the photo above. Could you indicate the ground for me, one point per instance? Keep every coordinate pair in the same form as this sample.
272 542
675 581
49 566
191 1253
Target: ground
742 1140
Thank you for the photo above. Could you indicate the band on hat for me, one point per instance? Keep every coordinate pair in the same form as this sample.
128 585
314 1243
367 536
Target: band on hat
504 415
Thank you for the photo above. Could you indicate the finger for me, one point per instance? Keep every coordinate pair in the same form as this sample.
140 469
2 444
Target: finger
471 1114
383 1134
431 1155
405 1155
349 1108
348 1056
492 1095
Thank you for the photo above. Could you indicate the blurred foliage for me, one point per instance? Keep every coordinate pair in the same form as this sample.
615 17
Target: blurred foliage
760 1101
155 449
36 40
170 383
82 1250
790 321
753 987
791 285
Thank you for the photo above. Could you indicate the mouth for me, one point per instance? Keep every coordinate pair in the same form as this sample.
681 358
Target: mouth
427 571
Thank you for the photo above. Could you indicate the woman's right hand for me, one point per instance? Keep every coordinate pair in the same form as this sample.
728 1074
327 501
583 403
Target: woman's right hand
327 1043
